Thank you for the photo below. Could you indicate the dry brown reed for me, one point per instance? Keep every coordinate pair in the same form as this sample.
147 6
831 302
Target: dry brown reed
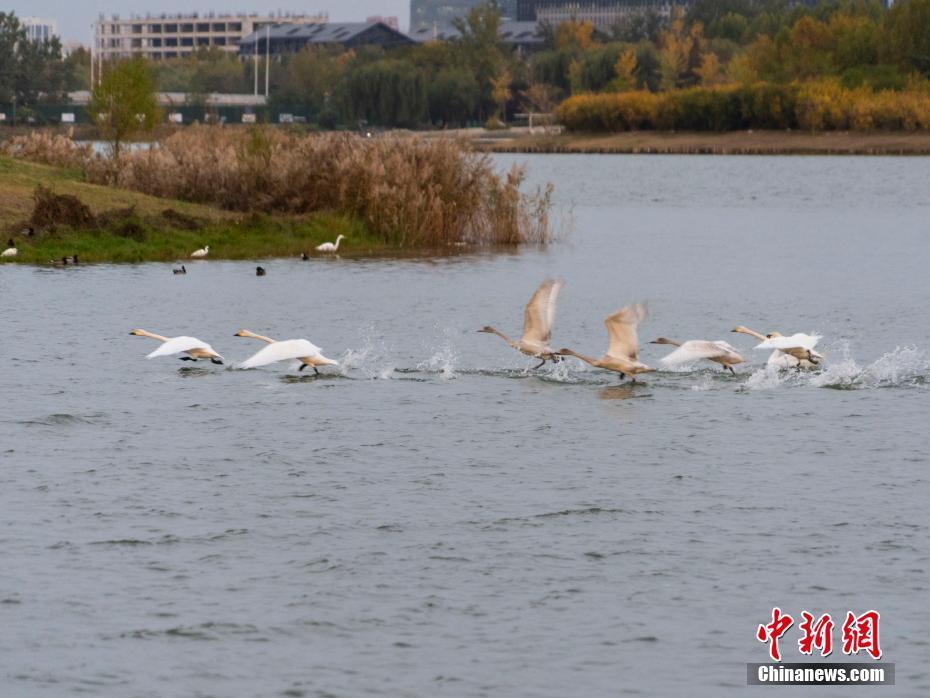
408 191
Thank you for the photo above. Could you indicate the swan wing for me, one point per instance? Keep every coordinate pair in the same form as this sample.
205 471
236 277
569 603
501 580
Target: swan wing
287 350
795 341
697 349
621 331
178 345
540 312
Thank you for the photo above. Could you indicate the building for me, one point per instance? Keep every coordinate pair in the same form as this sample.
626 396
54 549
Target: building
392 22
292 38
38 29
523 37
602 14
429 13
171 36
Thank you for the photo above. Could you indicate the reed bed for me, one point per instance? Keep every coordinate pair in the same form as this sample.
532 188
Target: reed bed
407 191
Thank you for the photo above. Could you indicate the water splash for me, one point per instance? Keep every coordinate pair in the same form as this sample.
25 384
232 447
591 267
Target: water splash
373 359
443 361
905 366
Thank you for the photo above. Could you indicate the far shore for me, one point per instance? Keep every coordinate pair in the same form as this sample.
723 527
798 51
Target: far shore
730 143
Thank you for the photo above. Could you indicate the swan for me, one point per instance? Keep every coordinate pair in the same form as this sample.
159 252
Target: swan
201 253
622 351
778 358
300 349
259 271
330 247
193 347
10 250
180 270
799 346
537 323
694 349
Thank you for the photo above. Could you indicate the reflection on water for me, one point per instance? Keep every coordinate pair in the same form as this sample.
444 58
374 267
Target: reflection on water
434 504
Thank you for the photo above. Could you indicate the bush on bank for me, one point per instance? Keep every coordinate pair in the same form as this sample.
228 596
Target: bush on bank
815 106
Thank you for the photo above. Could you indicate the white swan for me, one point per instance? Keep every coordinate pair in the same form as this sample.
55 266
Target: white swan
288 350
193 347
201 253
782 359
10 250
330 247
695 349
799 346
538 317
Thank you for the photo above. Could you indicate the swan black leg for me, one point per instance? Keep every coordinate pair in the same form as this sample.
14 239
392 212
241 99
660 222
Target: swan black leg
315 371
216 361
731 370
302 367
187 358
541 364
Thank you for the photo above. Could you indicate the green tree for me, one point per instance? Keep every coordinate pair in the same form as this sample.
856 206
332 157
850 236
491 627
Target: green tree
908 30
387 92
453 95
123 103
30 71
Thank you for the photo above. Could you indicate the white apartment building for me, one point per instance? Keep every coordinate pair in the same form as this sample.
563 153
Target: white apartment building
172 36
39 29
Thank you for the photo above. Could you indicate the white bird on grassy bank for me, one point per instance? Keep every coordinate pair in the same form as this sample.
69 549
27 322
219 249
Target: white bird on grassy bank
193 347
538 317
288 350
623 348
329 246
201 253
10 250
695 349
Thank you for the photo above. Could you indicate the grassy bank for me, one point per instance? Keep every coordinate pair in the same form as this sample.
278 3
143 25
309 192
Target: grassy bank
126 226
731 143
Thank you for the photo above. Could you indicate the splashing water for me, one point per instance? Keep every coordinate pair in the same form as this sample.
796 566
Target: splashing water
442 361
372 359
903 366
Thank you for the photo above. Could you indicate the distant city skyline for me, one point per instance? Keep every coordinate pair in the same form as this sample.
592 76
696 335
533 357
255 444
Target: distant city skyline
75 19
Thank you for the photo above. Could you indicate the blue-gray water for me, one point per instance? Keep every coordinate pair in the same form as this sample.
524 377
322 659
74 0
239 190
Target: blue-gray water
438 520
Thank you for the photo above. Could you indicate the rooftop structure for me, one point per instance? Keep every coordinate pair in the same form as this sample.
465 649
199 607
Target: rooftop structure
291 38
170 36
602 14
427 13
523 36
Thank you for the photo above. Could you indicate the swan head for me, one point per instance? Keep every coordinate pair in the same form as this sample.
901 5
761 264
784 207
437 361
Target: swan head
487 328
138 333
340 237
740 328
243 333
663 340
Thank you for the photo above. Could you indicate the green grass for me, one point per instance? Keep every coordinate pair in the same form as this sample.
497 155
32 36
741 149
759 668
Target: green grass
145 234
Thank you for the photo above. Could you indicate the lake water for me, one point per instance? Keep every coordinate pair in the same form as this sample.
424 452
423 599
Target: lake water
436 519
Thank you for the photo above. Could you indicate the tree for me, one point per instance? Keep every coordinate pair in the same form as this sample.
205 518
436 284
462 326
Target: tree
453 96
480 49
908 29
30 71
123 103
625 71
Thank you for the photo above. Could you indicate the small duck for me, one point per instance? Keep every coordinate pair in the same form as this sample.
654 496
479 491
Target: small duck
181 270
10 250
28 231
304 256
259 271
73 259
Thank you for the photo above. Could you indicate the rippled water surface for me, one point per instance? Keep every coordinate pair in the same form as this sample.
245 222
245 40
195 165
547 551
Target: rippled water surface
436 518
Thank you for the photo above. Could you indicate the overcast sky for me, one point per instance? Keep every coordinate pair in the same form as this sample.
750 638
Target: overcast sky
75 17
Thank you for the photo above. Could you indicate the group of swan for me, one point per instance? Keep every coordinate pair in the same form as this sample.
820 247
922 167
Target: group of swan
307 353
205 250
622 356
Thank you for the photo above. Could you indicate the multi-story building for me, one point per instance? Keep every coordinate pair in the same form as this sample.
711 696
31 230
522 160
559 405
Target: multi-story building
602 14
172 36
428 13
38 29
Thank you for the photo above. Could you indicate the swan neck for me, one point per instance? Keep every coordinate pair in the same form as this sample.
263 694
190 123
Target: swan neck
586 359
144 333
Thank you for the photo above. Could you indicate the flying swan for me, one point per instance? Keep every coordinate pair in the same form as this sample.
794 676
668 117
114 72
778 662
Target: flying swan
695 349
330 247
790 356
622 349
289 349
537 323
193 347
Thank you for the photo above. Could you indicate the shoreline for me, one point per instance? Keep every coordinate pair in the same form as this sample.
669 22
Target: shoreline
700 143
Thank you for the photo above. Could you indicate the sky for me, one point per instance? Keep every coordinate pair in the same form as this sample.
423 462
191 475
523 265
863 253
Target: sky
76 17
